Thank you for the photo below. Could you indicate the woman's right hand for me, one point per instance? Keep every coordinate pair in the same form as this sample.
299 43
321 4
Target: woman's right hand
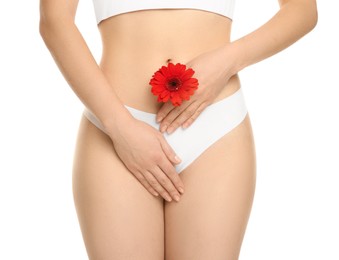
148 156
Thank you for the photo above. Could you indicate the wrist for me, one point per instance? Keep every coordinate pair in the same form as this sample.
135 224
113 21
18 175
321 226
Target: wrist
235 57
115 124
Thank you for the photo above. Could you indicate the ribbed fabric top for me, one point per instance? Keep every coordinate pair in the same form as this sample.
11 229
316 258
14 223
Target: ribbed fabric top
108 8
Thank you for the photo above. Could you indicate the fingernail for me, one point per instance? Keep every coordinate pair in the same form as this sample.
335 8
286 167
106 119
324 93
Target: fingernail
159 119
176 197
170 130
185 125
181 189
177 158
163 128
168 198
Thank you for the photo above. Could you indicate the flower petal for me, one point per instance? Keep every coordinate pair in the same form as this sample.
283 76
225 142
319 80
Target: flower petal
188 74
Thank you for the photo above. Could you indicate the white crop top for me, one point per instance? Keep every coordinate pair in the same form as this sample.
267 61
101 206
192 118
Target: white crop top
107 8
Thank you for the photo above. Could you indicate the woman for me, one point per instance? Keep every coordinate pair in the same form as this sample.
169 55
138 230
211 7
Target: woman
126 173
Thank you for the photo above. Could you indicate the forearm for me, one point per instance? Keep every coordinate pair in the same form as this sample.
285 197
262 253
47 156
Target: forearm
81 71
294 19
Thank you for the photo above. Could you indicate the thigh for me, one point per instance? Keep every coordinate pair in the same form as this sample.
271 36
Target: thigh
209 221
118 217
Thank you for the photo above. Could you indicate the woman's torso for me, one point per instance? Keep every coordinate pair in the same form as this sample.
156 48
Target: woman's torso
136 44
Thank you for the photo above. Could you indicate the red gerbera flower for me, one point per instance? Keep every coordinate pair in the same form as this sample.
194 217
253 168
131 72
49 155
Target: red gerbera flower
174 83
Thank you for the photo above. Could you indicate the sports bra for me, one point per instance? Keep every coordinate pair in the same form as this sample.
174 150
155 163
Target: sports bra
108 8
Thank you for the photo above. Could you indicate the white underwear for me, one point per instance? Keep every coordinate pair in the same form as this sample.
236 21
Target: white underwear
214 122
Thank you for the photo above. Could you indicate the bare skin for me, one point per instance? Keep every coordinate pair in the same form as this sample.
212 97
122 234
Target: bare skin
118 215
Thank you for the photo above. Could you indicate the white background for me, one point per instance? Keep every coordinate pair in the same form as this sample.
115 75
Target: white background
292 99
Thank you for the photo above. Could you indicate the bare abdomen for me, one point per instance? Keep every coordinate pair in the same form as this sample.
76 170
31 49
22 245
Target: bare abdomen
137 44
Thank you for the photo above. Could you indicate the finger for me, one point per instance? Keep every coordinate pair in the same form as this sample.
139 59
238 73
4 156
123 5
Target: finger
165 182
154 182
183 117
172 115
168 150
170 171
164 110
197 112
145 183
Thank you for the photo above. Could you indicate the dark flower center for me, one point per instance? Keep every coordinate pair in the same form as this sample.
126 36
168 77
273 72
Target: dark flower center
173 84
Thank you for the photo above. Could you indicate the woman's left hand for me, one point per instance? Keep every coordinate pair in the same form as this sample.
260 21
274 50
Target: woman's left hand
213 69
